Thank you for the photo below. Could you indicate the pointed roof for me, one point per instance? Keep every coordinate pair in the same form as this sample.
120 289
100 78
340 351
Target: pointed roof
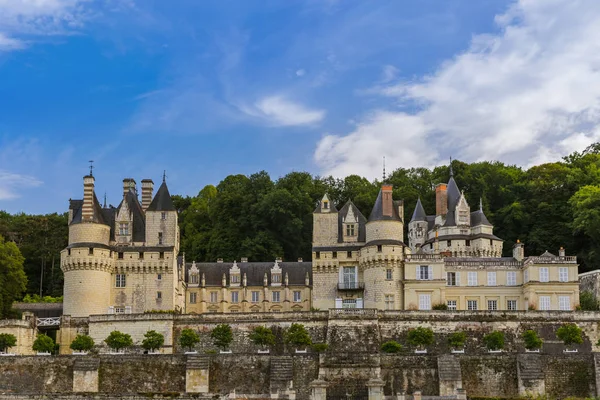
162 201
547 254
453 197
377 212
351 207
478 217
419 213
319 208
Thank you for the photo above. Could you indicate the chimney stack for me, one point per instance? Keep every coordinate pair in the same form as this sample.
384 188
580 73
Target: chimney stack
441 199
244 260
519 251
147 189
561 252
128 183
299 259
87 210
386 199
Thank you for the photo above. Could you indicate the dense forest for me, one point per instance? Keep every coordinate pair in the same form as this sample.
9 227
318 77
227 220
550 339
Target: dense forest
546 207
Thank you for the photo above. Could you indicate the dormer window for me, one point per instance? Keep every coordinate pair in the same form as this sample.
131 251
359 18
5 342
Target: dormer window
124 228
276 278
326 205
350 230
235 278
194 279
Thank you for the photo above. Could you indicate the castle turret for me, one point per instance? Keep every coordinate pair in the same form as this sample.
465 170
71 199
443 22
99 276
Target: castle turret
325 223
87 262
417 227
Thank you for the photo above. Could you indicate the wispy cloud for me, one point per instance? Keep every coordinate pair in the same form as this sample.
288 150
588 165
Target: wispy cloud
12 184
524 95
280 111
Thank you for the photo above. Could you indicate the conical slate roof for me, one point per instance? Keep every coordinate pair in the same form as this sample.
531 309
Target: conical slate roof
453 198
377 212
419 213
162 201
478 217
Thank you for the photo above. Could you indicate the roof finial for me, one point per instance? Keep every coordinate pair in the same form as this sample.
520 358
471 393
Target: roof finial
164 175
480 204
91 167
104 200
383 169
451 170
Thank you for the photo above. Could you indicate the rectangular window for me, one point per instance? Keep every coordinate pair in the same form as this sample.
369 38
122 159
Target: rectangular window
492 305
317 254
526 276
451 279
468 243
472 278
159 277
511 278
163 215
123 228
193 297
194 279
491 278
158 295
326 205
349 230
424 302
349 277
276 278
424 272
276 297
234 297
389 274
389 301
563 274
119 310
564 303
511 305
120 256
451 305
449 243
255 297
472 305
349 303
334 254
544 275
379 248
214 297
235 278
349 254
544 302
297 296
91 251
160 238
141 255
120 280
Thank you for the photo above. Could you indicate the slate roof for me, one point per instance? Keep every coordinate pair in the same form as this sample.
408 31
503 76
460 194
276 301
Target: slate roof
453 197
547 254
255 272
419 214
377 212
162 201
139 218
463 237
479 218
319 209
77 205
386 242
362 231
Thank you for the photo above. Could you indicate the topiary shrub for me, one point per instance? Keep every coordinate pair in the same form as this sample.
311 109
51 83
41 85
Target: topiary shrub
118 340
494 340
457 340
570 334
7 340
188 339
531 340
43 344
82 343
320 347
222 336
153 341
420 337
588 301
262 336
297 336
391 346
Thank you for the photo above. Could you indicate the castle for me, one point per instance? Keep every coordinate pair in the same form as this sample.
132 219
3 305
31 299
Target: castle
126 260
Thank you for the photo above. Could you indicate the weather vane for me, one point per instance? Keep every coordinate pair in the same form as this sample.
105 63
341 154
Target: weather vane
383 168
91 167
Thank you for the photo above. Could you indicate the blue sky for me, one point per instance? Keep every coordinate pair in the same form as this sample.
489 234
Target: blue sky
204 89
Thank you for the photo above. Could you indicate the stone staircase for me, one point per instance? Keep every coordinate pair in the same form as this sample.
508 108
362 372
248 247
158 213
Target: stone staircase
449 368
530 367
198 362
86 363
282 369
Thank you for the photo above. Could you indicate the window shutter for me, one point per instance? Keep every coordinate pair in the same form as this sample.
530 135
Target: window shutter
338 303
417 271
127 309
111 310
429 272
359 303
458 279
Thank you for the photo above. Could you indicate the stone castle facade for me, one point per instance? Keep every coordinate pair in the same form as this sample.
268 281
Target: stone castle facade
125 259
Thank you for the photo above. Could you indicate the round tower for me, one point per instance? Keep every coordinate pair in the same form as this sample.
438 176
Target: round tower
87 262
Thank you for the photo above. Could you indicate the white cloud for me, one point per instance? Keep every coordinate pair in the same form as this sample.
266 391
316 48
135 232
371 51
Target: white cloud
530 93
8 43
300 72
11 184
279 111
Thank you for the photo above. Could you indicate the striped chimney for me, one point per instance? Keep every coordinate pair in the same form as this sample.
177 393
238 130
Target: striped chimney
87 210
128 183
147 189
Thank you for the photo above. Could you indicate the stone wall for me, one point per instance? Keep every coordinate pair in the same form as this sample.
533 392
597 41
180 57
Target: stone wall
23 331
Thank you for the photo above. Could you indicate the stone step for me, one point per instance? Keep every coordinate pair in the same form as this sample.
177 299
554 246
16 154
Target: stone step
530 367
282 368
449 368
197 362
86 364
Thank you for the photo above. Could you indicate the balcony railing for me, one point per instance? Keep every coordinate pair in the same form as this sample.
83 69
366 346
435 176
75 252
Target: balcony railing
351 286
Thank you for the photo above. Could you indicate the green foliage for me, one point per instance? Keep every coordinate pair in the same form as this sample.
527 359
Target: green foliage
188 339
297 335
531 340
7 340
391 346
420 336
570 334
440 306
82 343
222 336
37 299
320 347
588 301
457 340
153 340
43 344
494 340
262 336
13 280
118 340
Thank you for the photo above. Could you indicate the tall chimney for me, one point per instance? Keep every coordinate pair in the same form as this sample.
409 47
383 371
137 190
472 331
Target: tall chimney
561 252
128 183
441 199
147 188
87 210
387 202
519 251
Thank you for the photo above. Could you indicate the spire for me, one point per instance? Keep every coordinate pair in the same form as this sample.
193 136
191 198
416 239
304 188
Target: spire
383 168
419 213
162 200
91 167
164 175
451 170
104 206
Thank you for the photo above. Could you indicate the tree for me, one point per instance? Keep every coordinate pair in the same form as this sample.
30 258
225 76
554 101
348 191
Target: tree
570 334
420 337
494 340
13 281
188 339
222 336
153 341
391 346
43 344
262 336
297 335
118 340
7 340
531 340
588 301
457 340
82 343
